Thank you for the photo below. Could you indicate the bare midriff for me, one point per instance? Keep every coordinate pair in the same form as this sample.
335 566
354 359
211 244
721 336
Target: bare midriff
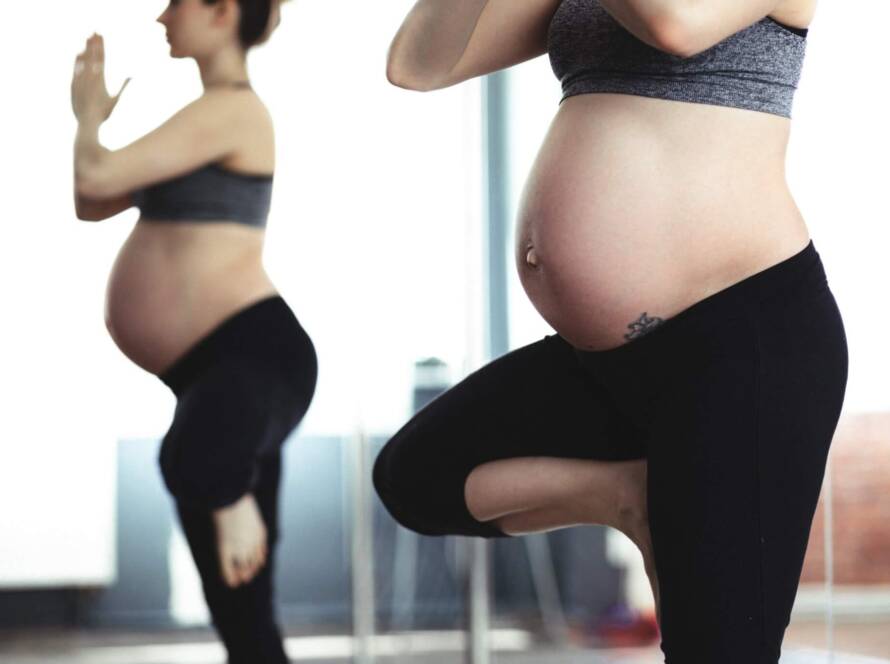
172 283
636 208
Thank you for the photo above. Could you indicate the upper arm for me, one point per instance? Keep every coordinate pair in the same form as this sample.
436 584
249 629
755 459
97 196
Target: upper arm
204 131
508 32
703 23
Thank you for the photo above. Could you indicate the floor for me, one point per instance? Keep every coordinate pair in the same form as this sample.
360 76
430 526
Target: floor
805 643
862 638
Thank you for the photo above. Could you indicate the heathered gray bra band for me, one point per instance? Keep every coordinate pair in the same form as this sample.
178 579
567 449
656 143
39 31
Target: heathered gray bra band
757 68
210 193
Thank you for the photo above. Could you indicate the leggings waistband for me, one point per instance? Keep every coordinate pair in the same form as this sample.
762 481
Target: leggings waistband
803 269
266 328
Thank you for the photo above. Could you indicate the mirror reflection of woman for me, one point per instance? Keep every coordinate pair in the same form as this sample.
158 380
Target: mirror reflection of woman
691 392
189 300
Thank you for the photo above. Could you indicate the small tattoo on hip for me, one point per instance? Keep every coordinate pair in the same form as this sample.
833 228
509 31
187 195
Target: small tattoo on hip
642 326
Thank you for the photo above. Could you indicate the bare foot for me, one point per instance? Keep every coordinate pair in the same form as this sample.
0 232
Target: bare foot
241 540
634 522
640 535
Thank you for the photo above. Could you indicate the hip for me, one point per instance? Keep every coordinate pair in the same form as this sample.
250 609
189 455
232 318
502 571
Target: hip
778 332
264 333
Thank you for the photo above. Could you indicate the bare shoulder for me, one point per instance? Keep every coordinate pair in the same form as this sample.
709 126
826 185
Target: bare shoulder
241 105
796 13
252 123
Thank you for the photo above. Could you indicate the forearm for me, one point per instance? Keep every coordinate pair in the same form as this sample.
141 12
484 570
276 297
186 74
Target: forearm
433 37
87 149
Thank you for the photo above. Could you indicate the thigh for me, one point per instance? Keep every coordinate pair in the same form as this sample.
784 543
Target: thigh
533 401
803 377
238 410
737 452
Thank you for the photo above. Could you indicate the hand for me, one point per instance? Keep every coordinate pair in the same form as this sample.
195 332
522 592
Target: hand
89 96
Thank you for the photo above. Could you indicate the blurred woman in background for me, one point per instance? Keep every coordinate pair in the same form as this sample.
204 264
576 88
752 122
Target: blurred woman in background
188 300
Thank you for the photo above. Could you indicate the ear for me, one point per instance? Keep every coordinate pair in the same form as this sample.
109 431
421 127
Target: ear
234 9
226 12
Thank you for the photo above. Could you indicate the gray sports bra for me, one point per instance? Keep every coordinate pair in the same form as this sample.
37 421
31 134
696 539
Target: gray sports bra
210 193
756 68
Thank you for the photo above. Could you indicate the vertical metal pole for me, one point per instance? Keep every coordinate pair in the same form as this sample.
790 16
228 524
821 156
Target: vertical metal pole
496 230
543 570
479 648
404 582
362 551
496 220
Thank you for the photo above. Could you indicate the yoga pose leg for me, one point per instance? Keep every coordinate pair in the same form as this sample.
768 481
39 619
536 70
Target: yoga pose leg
244 615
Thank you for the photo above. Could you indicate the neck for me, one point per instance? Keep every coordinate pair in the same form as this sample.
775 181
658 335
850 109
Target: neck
223 68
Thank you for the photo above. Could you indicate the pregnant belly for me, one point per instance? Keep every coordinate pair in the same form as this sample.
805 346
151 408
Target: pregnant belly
159 301
618 232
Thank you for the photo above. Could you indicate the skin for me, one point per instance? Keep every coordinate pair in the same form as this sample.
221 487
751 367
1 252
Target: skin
173 283
635 209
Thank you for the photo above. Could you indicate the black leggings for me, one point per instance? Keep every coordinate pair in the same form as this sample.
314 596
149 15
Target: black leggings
241 390
734 402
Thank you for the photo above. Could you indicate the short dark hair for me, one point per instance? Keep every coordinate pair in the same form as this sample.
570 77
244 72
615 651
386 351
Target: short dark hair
254 20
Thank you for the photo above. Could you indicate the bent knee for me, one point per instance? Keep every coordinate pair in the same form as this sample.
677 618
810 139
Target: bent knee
386 481
406 496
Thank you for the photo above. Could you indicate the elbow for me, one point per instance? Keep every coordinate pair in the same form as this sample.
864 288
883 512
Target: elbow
403 77
394 75
398 77
85 212
674 34
86 209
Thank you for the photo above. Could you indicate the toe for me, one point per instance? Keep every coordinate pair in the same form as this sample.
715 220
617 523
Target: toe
245 570
229 571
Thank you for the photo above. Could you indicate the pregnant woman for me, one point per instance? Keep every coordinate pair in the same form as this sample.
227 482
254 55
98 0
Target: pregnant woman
189 301
691 393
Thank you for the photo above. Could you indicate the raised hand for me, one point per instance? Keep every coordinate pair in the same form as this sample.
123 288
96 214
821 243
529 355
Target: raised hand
89 96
